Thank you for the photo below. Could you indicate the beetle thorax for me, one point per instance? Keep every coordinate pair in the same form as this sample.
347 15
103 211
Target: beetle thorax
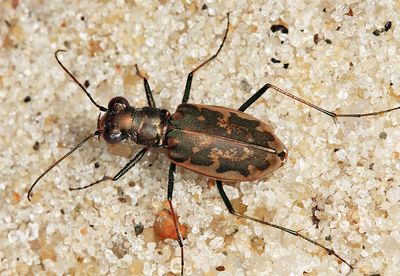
149 126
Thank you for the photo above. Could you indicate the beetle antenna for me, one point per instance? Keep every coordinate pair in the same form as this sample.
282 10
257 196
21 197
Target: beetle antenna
102 108
98 132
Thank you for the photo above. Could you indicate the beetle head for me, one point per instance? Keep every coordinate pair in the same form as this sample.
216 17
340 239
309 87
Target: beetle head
116 123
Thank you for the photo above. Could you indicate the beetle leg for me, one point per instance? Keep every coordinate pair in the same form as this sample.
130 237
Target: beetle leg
190 76
126 168
171 181
149 94
287 230
334 115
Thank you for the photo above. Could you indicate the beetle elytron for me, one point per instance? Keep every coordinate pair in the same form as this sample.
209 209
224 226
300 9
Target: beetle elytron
220 143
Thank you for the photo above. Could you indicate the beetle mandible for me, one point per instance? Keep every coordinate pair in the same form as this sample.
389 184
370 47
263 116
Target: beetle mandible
223 144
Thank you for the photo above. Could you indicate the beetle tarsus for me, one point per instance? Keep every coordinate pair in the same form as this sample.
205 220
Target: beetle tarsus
287 230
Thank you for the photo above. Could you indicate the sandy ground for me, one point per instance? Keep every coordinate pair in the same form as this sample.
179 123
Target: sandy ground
340 185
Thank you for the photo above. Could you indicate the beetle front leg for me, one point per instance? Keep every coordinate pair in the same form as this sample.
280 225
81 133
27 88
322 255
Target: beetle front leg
123 171
190 76
149 94
287 230
171 181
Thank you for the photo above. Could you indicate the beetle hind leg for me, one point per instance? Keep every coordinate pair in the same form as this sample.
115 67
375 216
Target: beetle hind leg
287 230
333 115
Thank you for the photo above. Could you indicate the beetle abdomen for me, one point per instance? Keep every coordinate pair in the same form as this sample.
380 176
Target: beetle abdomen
223 143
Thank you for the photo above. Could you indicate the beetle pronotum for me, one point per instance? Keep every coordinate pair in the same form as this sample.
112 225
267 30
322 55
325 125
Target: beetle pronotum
224 144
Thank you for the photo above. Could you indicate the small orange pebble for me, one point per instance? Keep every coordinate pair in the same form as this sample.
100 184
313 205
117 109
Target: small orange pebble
164 226
16 196
83 231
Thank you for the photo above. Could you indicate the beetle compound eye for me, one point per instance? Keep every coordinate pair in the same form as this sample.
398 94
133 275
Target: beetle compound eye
117 104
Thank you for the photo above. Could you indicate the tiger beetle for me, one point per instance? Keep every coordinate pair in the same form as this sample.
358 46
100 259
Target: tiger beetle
223 144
